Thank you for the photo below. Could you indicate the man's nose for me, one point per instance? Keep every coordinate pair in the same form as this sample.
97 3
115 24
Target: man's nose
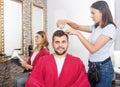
60 44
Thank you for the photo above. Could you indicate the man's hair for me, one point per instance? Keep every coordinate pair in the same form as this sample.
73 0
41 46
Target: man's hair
59 33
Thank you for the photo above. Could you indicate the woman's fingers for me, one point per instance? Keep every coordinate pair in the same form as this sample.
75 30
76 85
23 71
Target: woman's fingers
71 31
61 23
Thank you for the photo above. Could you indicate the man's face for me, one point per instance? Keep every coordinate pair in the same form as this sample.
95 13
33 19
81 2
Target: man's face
60 45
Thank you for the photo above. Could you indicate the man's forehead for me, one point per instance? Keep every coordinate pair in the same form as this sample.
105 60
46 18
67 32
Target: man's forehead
60 38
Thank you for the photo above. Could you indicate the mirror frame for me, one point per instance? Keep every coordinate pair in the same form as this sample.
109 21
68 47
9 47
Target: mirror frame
41 7
2 29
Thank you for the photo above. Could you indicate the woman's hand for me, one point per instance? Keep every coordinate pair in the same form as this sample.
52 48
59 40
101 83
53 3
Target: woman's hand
61 23
71 31
23 63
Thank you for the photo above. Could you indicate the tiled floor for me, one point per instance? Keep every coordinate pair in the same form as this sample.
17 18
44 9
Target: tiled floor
116 83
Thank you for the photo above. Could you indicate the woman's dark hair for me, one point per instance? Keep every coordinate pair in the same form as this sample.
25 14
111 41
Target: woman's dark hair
103 7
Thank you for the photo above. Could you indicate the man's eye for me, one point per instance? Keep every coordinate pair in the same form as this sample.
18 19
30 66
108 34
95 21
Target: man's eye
64 42
56 42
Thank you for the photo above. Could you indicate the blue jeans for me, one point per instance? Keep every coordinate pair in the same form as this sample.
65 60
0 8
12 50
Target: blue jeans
107 74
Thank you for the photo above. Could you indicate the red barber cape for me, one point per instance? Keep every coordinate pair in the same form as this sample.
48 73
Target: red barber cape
42 52
45 73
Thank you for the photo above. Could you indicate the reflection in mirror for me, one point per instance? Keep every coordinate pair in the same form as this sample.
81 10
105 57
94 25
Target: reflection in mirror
12 26
37 21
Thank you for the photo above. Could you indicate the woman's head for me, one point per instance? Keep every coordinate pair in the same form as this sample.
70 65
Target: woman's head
101 14
41 40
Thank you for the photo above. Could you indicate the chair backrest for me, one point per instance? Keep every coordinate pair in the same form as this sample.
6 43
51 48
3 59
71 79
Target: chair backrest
30 48
116 56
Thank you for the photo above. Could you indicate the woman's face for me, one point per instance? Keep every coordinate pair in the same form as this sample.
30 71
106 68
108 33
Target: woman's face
96 15
38 39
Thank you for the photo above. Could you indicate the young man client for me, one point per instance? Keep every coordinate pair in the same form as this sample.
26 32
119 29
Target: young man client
59 69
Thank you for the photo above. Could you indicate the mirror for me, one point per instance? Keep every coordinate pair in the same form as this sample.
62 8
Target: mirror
1 30
11 32
37 20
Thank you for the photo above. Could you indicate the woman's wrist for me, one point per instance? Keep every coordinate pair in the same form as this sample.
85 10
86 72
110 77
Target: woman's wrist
26 66
78 33
72 24
67 22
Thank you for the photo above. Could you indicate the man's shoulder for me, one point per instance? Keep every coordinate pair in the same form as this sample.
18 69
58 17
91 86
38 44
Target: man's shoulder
74 58
46 57
75 61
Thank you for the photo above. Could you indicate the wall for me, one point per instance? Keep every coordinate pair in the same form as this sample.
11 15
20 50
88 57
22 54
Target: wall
77 11
117 19
8 71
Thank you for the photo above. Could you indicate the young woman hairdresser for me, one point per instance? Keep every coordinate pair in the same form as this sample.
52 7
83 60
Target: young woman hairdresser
103 34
